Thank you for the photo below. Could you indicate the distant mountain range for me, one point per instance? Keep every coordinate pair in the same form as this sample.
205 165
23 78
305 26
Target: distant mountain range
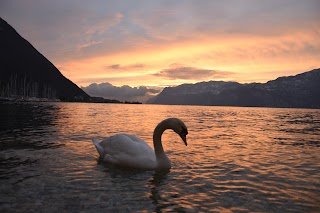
300 91
24 72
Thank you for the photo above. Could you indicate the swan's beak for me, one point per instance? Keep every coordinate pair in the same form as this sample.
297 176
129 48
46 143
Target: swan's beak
184 138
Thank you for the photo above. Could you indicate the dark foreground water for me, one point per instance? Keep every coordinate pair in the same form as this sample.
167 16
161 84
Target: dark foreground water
238 159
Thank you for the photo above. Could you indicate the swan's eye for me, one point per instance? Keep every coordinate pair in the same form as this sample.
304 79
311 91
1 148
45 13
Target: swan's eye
184 131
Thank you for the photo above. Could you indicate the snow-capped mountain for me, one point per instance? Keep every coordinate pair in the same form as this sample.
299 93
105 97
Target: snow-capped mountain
302 90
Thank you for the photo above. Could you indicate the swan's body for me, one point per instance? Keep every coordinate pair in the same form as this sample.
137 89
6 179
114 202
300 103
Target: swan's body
131 151
126 150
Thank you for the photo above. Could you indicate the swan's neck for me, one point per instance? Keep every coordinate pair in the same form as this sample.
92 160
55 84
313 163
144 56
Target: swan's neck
162 160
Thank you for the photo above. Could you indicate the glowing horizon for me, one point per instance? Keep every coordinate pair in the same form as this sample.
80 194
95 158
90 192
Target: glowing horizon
267 58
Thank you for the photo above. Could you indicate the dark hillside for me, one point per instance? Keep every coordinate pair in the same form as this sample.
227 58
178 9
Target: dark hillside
26 72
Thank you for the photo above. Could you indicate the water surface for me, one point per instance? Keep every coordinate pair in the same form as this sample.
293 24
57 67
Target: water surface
237 159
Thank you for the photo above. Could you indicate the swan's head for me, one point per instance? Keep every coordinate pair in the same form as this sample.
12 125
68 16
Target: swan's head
179 127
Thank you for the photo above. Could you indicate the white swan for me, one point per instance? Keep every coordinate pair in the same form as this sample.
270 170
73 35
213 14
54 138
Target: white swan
130 151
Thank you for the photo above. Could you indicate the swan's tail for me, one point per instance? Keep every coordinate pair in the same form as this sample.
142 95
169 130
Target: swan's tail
99 148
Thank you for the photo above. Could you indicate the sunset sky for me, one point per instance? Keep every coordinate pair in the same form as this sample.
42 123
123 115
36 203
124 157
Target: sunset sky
165 42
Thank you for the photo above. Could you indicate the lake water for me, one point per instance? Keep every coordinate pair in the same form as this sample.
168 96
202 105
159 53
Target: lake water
237 159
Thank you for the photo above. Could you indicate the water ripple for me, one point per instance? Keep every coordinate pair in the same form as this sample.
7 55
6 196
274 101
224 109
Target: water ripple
237 159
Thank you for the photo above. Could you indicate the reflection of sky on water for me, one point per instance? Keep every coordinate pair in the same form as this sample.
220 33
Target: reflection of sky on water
240 159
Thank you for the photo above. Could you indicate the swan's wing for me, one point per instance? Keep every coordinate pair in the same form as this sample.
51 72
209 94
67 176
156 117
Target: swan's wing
128 150
137 140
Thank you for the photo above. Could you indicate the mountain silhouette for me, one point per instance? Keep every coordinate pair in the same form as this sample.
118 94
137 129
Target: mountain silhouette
27 73
300 91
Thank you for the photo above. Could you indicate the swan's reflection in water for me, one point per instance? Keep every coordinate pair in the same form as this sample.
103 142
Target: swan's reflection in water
158 179
162 199
140 183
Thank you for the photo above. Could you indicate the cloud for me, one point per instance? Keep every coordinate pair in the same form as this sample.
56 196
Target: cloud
96 30
177 71
210 18
123 93
125 67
